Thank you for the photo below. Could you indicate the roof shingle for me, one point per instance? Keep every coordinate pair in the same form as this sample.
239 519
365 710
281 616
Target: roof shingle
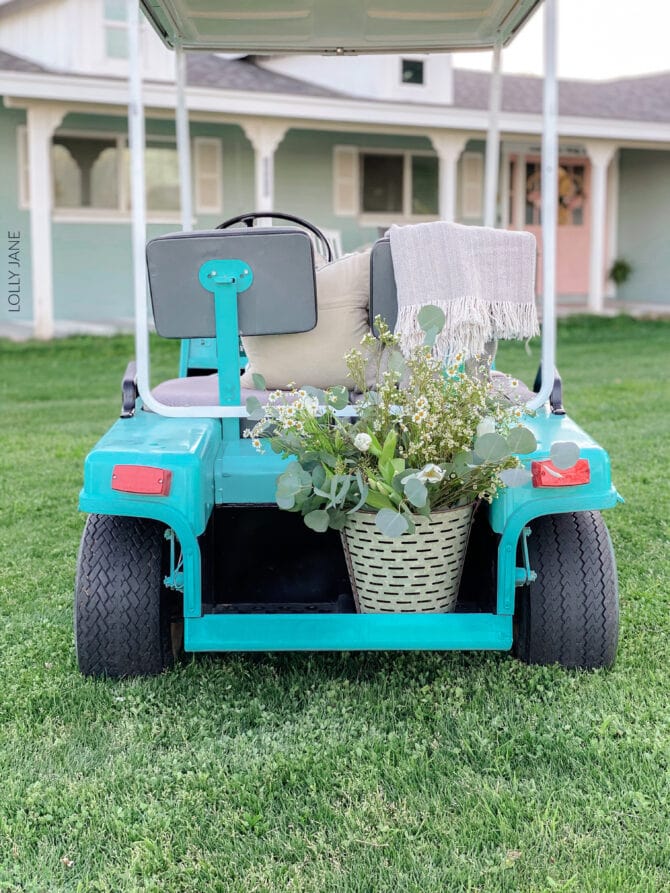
645 98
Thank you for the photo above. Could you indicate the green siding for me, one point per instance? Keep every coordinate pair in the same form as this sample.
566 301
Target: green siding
13 218
93 261
644 224
304 177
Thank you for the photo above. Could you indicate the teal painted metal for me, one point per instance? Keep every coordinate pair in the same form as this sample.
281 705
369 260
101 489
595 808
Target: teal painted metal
349 632
188 448
245 476
515 507
226 279
525 574
175 579
197 353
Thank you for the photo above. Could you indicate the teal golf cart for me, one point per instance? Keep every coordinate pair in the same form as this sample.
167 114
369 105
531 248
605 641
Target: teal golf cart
185 548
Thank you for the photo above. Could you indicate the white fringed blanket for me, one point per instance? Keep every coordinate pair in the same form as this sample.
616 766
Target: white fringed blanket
482 278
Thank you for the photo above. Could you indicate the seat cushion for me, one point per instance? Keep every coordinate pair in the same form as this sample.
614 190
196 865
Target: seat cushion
198 390
317 358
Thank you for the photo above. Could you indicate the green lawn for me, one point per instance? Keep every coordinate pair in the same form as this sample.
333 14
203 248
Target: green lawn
344 772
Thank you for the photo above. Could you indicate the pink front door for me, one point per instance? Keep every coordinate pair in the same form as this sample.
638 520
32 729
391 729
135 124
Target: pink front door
574 219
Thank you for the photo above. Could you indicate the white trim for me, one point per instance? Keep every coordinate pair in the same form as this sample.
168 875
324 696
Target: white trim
104 96
232 105
23 169
102 215
215 193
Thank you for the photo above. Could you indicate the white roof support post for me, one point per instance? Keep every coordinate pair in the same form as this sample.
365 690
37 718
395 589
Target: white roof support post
183 145
549 205
265 137
449 148
42 120
600 155
138 195
493 142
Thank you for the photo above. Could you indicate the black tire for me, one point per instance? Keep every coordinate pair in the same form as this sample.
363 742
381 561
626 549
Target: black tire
123 612
570 614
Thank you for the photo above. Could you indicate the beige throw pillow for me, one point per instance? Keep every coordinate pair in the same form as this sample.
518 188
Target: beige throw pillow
317 357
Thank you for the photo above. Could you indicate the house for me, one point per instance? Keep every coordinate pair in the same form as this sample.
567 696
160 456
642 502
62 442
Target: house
352 145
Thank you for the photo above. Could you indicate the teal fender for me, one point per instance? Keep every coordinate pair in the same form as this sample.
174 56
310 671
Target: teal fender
515 507
188 449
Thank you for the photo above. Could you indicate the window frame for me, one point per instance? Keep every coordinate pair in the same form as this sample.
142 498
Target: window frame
408 60
381 218
112 25
121 214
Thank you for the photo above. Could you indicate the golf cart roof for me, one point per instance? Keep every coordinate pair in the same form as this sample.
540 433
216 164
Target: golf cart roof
337 26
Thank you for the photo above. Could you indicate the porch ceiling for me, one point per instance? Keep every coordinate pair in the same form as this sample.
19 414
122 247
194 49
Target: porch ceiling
324 26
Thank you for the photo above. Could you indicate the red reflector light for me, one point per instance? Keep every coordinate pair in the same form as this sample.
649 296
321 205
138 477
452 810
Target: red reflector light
141 479
545 474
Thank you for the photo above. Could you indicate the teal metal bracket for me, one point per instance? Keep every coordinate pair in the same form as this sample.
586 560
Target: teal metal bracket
525 574
226 279
175 579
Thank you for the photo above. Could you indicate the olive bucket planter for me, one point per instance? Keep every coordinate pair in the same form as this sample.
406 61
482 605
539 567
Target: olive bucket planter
413 573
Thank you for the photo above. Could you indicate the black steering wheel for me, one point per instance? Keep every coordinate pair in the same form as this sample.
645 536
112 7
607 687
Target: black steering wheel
248 220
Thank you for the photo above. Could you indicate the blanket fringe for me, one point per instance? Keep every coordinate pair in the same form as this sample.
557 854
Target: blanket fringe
470 324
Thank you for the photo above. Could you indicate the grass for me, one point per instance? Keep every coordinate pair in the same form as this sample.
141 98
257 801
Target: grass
343 772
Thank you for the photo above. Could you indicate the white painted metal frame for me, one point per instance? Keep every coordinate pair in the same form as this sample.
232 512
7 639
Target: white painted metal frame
549 163
137 141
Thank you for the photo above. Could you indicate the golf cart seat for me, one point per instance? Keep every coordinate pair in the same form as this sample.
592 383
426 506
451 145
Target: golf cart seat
281 298
185 253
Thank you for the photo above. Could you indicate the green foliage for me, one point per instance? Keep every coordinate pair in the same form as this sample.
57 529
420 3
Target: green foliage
564 454
322 772
446 425
620 271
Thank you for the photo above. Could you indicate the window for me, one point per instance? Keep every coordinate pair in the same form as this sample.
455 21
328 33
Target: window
85 172
91 175
412 71
161 171
116 29
400 185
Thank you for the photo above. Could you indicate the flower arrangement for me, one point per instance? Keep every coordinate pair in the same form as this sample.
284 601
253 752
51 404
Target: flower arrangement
424 437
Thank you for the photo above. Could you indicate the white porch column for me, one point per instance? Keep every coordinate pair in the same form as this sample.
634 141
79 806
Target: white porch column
519 189
265 137
600 155
505 187
612 247
449 147
42 120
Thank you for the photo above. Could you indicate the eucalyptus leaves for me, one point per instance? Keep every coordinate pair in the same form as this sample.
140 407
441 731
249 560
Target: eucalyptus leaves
424 438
